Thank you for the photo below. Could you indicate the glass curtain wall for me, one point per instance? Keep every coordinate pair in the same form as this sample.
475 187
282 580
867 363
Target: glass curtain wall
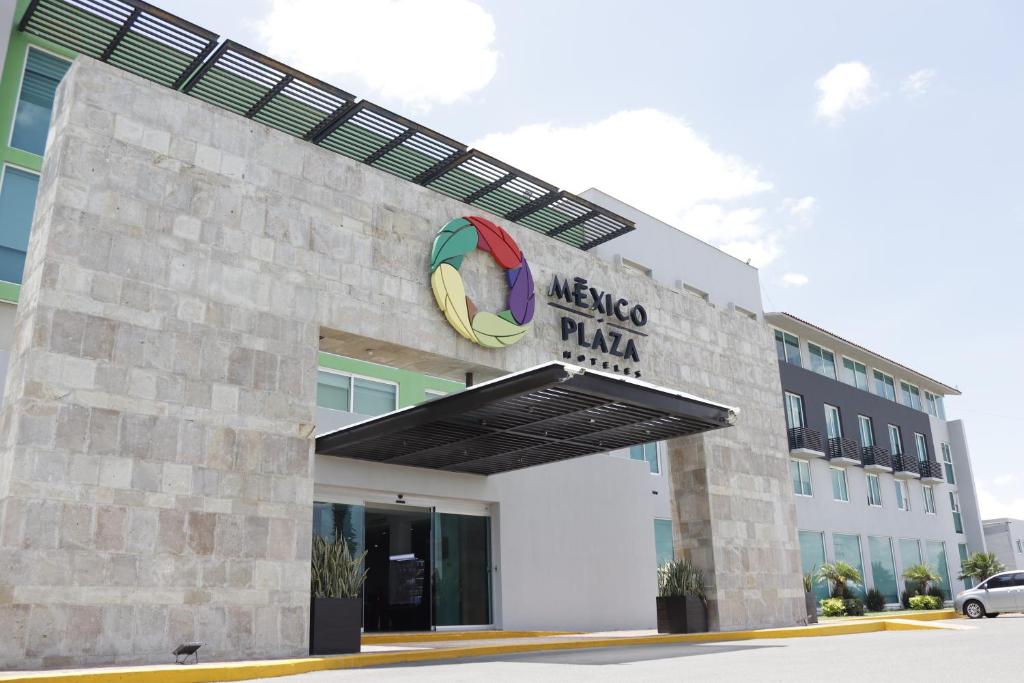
812 556
910 554
937 561
663 549
847 548
883 567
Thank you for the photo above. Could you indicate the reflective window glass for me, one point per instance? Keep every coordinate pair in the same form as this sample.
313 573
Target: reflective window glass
794 410
787 347
847 549
648 452
840 491
35 101
874 490
867 431
801 472
947 463
373 398
17 203
833 425
937 561
333 391
663 541
855 374
812 556
461 581
885 386
883 568
822 361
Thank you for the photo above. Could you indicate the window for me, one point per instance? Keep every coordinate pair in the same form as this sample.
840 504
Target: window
847 549
663 551
954 504
922 447
940 406
931 404
911 395
929 499
787 347
902 495
17 203
801 471
794 410
336 391
833 425
812 556
883 567
1001 581
430 395
840 491
822 361
947 463
867 431
895 440
648 452
962 549
43 72
874 491
885 386
910 552
937 560
855 374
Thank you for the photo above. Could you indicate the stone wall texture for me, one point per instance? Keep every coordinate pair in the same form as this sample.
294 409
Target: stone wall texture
156 469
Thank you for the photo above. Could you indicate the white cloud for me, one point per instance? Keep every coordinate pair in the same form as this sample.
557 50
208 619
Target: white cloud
795 280
917 83
657 163
1000 497
845 87
411 52
800 208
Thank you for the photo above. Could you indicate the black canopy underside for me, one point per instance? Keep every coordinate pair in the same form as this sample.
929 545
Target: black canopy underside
546 414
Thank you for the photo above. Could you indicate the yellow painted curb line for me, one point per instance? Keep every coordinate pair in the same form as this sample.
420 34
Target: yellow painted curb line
238 671
435 636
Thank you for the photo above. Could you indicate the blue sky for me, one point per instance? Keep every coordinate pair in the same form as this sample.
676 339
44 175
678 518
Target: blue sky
866 155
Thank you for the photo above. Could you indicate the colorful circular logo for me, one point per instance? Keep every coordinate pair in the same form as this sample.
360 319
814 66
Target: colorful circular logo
456 239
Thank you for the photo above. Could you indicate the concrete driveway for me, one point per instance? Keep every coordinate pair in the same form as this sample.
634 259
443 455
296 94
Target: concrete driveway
989 649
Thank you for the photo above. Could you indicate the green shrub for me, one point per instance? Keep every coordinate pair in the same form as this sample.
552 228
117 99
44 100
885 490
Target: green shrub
854 607
875 601
833 607
936 592
925 602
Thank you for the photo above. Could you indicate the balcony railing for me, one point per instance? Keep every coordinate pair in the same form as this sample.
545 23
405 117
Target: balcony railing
876 457
901 462
804 439
930 470
844 450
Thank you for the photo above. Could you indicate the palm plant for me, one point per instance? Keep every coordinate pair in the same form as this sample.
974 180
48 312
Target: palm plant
335 572
980 566
680 577
838 575
923 575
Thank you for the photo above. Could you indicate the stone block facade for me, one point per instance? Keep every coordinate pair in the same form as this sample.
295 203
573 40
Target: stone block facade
156 474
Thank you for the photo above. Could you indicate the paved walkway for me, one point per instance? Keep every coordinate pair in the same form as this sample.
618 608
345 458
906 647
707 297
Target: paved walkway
389 649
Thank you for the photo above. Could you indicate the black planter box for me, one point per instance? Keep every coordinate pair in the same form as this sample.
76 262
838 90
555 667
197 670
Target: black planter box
682 614
811 602
334 625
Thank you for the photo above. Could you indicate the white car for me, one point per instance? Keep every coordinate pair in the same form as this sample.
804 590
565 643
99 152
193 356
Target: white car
1003 592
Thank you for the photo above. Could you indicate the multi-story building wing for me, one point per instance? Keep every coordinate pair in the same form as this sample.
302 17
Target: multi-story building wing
882 479
1005 538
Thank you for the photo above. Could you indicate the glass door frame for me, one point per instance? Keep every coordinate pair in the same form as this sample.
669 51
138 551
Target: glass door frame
325 493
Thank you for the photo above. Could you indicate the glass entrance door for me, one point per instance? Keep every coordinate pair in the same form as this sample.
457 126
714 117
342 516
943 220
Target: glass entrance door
397 594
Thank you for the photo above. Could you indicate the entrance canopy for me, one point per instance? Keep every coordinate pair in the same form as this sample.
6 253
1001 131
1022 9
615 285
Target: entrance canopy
548 413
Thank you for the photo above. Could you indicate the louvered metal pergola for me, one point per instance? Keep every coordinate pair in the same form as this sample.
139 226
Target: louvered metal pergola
545 414
168 50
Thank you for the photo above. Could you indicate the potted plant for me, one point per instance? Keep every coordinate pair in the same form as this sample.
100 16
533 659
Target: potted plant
682 603
336 608
980 566
810 604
